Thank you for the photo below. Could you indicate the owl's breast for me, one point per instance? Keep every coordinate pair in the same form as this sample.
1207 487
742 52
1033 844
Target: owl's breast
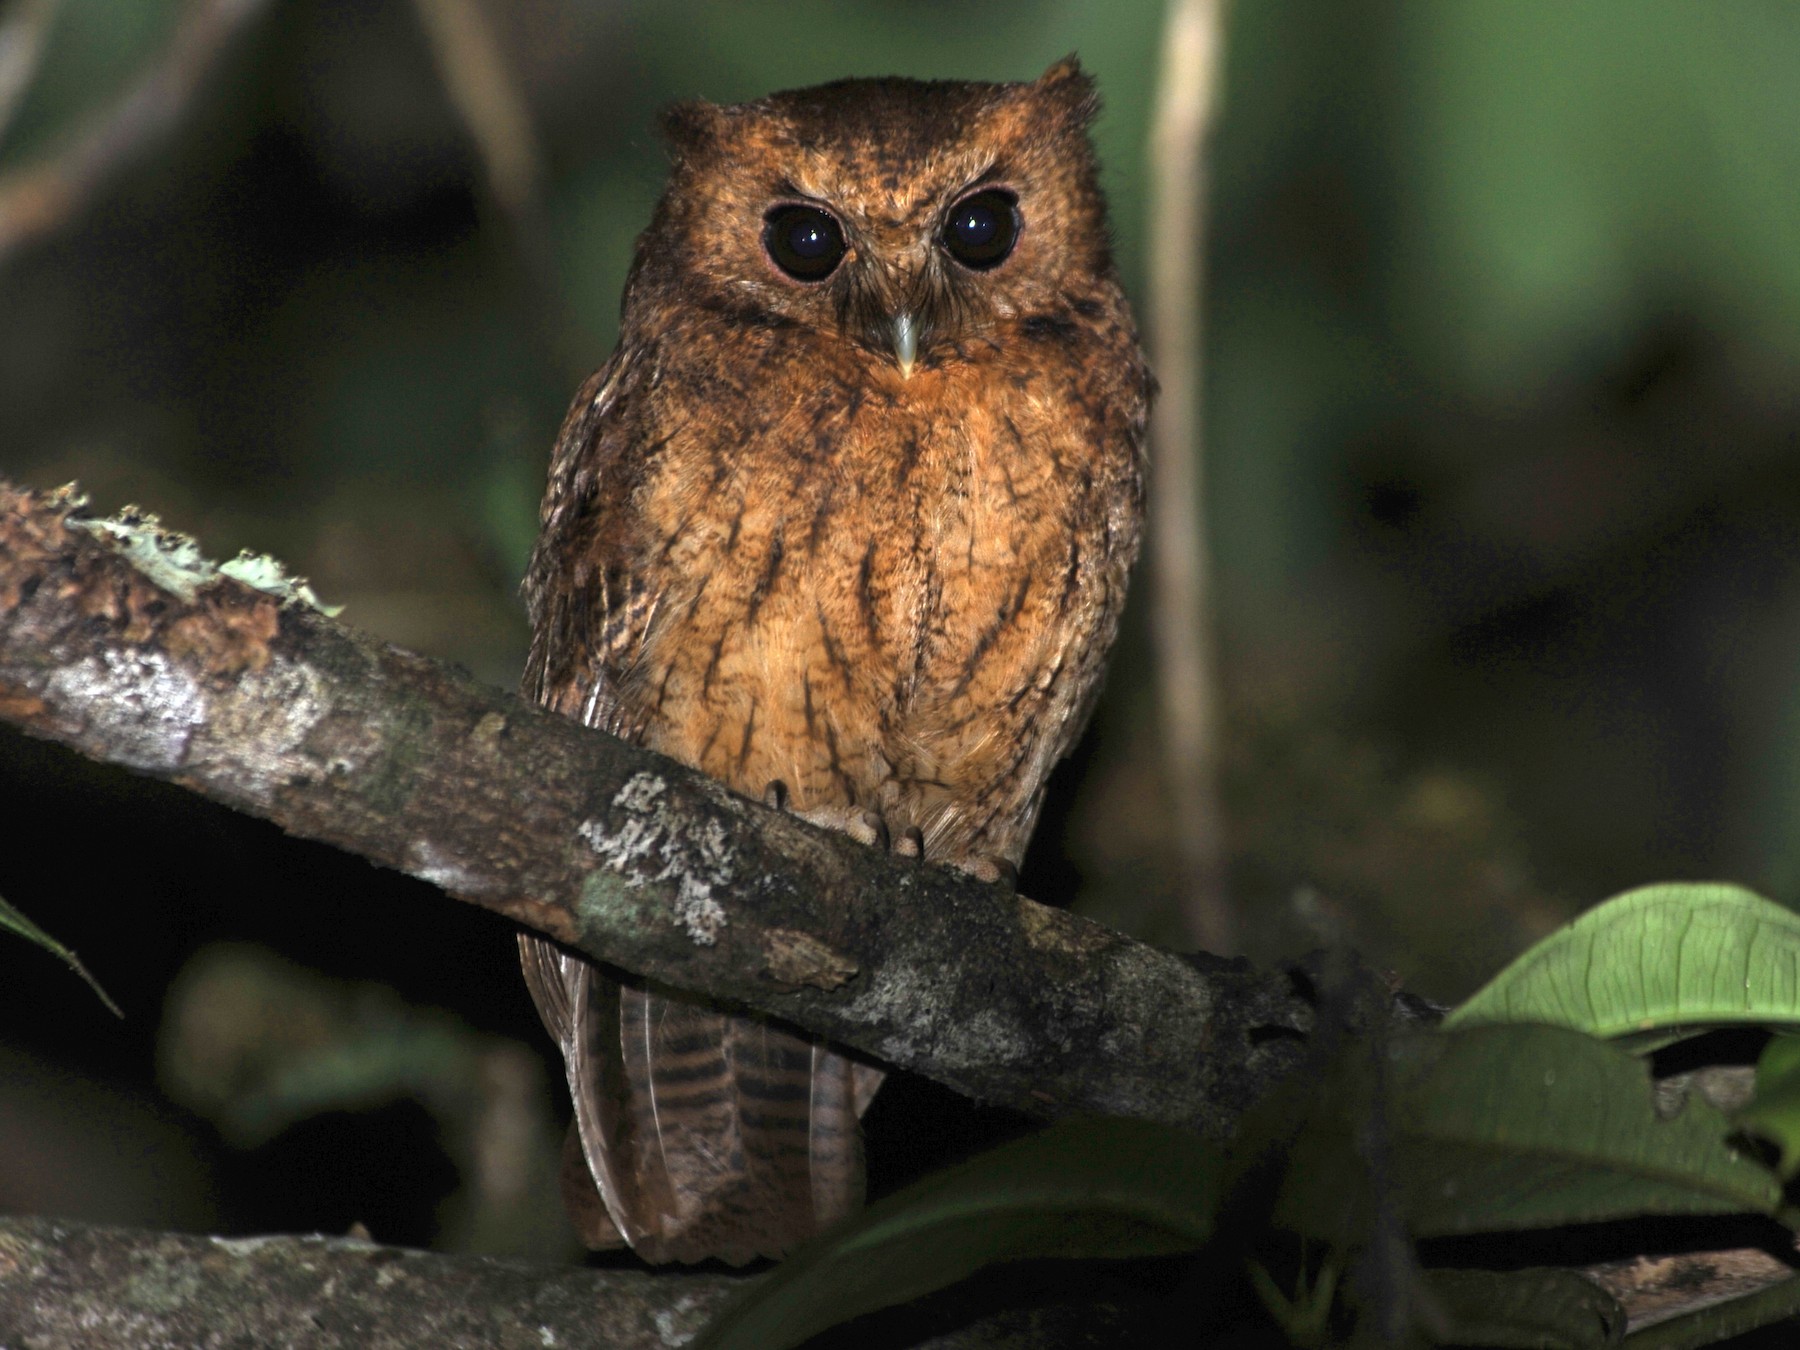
1027 548
865 591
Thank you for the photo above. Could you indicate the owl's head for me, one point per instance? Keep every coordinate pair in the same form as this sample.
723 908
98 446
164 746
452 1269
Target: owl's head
912 219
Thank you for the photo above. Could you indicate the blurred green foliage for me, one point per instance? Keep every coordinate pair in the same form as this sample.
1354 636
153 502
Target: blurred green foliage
1503 331
88 53
1505 308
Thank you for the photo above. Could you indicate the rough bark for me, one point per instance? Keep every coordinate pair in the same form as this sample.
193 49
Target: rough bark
69 1286
120 642
73 1286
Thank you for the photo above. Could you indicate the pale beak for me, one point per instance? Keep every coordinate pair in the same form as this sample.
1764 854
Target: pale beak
906 343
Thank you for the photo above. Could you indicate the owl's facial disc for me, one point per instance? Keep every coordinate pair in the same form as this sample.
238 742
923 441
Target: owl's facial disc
908 279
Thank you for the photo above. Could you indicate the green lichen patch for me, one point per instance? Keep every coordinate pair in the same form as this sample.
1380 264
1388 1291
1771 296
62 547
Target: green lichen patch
173 560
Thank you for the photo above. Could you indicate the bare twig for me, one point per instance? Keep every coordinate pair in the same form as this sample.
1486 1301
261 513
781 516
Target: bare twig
1181 572
39 198
475 75
486 94
273 709
23 34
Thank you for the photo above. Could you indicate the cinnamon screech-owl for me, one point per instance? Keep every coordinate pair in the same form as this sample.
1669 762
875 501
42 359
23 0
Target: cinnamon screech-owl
844 522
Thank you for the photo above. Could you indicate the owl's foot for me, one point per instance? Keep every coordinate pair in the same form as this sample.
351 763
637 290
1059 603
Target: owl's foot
866 827
869 828
994 871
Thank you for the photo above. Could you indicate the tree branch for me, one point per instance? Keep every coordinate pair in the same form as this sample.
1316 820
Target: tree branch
73 1286
70 1286
120 642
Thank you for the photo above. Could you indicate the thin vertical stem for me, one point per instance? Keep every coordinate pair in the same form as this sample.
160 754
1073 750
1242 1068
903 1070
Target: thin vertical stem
24 32
487 95
39 198
1181 585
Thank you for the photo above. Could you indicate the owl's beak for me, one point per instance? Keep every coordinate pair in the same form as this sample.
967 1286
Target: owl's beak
905 333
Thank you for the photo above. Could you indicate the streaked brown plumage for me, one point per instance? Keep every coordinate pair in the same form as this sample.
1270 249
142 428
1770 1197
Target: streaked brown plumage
855 538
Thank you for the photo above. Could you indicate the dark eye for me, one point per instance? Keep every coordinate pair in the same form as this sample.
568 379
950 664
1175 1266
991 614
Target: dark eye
804 241
982 229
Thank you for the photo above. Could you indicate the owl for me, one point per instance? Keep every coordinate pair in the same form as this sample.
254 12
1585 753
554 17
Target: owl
844 522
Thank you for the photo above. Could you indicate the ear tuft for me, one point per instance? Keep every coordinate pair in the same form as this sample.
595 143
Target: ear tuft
691 126
1070 88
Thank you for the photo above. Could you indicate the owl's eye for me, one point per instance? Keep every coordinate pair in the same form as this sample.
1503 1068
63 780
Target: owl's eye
982 228
804 241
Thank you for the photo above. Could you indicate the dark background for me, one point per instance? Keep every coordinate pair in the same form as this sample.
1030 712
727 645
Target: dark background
1503 337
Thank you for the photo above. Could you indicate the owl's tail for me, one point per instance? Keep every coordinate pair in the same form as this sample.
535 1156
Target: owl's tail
706 1135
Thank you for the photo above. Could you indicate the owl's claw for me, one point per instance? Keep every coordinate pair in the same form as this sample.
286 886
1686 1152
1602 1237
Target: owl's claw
868 828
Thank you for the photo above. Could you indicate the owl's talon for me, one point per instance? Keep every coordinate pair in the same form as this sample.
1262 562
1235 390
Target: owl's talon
775 795
909 843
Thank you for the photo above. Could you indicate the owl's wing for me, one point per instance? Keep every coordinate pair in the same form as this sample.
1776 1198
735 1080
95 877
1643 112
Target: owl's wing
574 1002
587 619
706 1135
590 605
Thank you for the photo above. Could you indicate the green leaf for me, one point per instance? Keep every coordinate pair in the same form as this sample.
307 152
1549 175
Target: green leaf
1511 1128
1090 1187
1660 956
1528 1309
13 921
1775 1112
